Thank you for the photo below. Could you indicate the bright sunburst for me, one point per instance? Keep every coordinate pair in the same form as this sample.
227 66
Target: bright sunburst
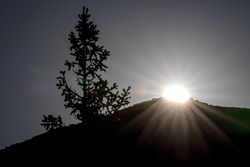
176 93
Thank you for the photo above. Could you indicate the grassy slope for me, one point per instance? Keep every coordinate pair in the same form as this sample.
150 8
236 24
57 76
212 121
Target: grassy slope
241 117
234 120
109 142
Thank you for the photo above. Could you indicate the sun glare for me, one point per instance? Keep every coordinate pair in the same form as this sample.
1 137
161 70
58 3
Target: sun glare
176 93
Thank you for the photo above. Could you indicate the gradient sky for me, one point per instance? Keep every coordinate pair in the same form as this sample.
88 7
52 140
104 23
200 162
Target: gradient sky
204 45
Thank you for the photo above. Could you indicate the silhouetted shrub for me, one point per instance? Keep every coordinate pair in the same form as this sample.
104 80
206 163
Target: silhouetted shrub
51 122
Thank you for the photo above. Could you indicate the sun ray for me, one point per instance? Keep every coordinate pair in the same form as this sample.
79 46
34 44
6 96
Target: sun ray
216 131
176 130
219 114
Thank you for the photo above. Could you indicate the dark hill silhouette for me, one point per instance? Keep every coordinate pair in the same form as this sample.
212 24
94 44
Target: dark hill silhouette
153 132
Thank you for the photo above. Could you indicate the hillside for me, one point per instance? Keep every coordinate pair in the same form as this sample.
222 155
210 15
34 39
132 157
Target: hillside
152 132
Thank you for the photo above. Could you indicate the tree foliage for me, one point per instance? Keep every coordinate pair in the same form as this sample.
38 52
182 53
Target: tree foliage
95 97
51 122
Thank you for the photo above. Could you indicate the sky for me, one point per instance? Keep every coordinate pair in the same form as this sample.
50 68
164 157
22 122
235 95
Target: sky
202 44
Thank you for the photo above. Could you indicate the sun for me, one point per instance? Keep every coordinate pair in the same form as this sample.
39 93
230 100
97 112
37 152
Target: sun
176 93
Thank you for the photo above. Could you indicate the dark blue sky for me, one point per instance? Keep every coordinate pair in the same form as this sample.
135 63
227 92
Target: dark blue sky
204 45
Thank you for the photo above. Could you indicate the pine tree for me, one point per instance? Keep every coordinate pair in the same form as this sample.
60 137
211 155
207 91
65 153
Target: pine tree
95 97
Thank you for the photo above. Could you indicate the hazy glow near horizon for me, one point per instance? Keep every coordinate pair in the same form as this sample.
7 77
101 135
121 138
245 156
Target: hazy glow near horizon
176 93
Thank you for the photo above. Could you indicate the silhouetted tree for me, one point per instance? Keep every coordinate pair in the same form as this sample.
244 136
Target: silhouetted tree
95 97
51 122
